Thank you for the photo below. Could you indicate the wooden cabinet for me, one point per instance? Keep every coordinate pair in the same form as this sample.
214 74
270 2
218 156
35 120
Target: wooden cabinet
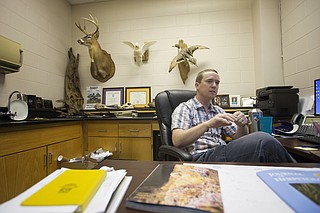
103 134
135 148
20 171
130 140
71 148
135 141
28 154
29 151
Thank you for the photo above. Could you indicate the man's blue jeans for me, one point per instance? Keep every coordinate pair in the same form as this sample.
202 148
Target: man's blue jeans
254 147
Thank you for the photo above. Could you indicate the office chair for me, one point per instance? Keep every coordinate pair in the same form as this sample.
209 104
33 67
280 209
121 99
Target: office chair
166 101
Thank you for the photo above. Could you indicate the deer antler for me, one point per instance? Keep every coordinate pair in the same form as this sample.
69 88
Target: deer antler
82 29
93 20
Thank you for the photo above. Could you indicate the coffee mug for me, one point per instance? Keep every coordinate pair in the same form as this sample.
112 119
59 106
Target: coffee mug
265 124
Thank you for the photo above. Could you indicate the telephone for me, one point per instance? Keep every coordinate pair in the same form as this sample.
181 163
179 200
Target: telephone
297 118
307 127
306 124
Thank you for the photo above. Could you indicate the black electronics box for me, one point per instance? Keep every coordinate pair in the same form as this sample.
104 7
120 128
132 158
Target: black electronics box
278 101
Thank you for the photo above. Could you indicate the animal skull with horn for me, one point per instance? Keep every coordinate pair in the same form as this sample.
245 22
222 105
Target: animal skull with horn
102 66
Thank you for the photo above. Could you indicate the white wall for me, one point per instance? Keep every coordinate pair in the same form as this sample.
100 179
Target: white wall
225 26
300 21
267 43
46 31
43 28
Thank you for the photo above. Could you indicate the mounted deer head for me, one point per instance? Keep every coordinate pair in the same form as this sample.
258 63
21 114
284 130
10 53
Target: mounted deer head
102 66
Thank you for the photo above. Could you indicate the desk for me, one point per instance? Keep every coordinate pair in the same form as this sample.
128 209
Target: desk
139 170
300 155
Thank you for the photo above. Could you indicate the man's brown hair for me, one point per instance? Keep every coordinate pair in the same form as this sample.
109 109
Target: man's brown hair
200 74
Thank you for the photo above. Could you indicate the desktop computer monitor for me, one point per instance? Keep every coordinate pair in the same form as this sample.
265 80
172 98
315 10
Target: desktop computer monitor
317 97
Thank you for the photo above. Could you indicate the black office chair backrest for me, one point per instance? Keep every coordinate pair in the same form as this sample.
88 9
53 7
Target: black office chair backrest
166 101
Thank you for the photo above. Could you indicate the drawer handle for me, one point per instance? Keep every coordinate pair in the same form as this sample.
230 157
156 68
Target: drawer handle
102 130
50 158
45 160
134 130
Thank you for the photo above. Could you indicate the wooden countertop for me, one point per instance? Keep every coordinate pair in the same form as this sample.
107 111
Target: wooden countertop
9 123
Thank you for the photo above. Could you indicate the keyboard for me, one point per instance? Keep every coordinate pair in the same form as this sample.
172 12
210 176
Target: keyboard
311 138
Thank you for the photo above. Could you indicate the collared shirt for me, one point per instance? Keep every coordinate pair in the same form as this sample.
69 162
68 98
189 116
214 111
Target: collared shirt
191 113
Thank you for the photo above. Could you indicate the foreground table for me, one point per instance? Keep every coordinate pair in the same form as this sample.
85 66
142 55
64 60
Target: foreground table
139 170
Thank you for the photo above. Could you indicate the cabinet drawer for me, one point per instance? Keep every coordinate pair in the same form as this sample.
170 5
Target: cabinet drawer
102 129
135 130
135 149
17 141
109 144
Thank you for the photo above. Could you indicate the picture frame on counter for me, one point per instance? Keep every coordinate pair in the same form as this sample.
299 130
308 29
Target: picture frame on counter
222 101
93 96
113 96
139 97
235 100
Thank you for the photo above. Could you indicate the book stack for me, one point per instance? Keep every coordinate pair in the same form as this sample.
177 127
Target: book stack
72 187
71 190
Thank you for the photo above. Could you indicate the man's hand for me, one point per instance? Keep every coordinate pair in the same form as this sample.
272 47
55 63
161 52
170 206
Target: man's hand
219 120
241 120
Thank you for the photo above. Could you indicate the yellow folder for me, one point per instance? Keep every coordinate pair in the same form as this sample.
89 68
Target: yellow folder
72 187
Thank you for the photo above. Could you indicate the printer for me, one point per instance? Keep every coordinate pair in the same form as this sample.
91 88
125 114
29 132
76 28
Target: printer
278 101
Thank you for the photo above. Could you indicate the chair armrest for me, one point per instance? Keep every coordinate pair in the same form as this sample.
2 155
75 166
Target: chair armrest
175 152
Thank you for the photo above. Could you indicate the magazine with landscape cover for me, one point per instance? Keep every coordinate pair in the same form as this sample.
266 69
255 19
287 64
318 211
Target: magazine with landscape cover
178 188
300 189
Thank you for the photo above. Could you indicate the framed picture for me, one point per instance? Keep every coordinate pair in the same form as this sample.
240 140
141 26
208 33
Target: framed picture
247 102
138 96
222 100
217 100
235 100
113 96
93 96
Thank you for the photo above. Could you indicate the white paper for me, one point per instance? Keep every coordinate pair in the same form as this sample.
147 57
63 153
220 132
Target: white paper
243 191
118 195
101 199
305 105
98 203
138 98
247 102
113 98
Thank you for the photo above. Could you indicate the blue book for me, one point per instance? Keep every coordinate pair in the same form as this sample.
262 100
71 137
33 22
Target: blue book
300 189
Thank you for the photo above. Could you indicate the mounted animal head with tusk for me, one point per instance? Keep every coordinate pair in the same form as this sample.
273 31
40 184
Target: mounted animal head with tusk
102 66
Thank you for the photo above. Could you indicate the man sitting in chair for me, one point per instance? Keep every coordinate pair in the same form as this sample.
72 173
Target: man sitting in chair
197 126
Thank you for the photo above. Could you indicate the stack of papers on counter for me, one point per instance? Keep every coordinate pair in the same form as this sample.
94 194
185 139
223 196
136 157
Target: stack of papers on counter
114 185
